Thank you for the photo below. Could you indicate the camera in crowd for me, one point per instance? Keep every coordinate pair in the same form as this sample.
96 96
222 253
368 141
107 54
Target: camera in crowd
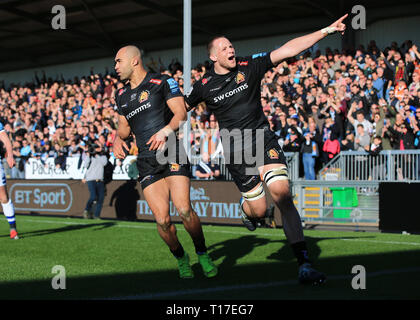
93 149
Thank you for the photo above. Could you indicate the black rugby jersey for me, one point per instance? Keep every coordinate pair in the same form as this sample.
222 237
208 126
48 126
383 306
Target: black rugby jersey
235 98
145 107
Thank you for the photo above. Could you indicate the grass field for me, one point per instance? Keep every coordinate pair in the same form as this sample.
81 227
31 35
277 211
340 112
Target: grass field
128 260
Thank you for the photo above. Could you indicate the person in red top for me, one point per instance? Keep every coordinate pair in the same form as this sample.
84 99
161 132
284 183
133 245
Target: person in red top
331 146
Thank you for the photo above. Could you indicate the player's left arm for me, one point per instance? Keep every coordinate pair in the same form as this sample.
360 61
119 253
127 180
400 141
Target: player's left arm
8 145
297 45
177 106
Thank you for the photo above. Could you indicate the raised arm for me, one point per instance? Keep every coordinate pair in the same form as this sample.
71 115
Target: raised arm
350 113
297 45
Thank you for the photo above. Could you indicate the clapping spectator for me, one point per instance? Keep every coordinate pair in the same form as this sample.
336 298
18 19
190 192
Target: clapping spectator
362 138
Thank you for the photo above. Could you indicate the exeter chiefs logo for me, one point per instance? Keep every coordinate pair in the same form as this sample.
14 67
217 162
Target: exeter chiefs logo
240 77
174 167
144 96
273 154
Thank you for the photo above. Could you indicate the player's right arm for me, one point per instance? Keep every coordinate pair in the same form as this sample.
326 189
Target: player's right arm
8 145
119 147
123 133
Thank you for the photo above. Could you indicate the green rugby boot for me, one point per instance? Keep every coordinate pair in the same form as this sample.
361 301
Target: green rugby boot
209 269
185 271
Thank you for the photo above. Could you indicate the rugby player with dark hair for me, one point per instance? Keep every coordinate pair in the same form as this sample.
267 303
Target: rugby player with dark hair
231 90
152 108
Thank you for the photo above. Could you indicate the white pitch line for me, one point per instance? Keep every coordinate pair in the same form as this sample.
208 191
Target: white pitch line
388 242
169 294
154 227
227 232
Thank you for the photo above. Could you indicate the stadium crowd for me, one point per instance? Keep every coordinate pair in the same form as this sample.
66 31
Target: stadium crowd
317 104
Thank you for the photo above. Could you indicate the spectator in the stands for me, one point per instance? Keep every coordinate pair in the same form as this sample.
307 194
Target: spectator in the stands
362 138
207 169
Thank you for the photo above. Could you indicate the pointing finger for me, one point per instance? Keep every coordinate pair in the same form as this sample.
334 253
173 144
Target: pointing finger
343 17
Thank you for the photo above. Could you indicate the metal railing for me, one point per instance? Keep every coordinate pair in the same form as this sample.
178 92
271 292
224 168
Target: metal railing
354 203
388 165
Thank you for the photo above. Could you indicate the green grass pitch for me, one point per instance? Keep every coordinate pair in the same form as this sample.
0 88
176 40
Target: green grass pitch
106 259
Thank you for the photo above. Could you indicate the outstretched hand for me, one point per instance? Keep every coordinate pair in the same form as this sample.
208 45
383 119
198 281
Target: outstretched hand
339 25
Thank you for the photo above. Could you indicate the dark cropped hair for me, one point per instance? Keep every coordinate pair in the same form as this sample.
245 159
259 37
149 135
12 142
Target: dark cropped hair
210 43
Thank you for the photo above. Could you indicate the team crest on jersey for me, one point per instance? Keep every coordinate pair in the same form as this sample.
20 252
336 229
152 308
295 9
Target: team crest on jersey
174 167
155 81
144 95
273 154
240 77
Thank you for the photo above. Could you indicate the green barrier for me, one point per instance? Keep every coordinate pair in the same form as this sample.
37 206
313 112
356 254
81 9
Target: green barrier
344 197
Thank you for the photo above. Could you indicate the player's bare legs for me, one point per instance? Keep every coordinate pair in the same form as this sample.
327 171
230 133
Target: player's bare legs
157 197
292 225
280 192
179 187
255 208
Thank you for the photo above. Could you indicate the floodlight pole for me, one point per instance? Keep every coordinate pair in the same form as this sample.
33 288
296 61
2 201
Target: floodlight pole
187 70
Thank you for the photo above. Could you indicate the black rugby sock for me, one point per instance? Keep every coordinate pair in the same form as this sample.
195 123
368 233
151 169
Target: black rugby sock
301 252
179 252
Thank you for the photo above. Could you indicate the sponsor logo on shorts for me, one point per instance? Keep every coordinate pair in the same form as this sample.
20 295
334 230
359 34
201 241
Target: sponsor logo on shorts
149 177
174 167
240 77
144 95
155 81
273 154
249 180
